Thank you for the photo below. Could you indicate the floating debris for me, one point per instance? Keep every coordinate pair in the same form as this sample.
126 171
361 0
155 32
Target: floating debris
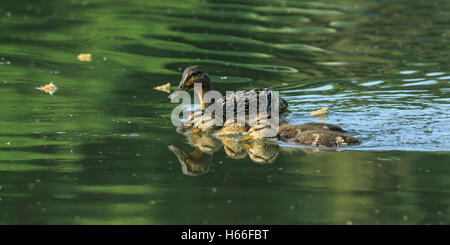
49 88
84 57
164 88
319 112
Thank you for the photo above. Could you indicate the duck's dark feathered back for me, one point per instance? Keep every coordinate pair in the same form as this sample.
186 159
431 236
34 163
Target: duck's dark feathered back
246 96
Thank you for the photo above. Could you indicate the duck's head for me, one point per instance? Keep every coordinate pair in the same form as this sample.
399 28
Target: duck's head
191 75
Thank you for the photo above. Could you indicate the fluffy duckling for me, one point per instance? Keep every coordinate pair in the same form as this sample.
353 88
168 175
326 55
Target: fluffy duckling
315 134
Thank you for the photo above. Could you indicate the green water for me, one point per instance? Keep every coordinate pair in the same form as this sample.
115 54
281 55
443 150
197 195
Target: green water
96 152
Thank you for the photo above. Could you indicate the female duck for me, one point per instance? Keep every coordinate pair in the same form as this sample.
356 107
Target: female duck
195 74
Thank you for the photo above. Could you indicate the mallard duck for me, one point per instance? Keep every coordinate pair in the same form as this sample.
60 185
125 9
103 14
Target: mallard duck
196 74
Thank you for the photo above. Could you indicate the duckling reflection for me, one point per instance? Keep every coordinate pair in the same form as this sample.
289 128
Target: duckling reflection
232 148
262 152
204 142
199 161
259 151
193 164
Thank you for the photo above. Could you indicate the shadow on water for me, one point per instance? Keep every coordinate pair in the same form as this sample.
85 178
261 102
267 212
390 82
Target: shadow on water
96 152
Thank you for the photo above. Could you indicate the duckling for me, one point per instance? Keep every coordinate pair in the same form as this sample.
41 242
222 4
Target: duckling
232 148
324 138
196 74
289 131
316 134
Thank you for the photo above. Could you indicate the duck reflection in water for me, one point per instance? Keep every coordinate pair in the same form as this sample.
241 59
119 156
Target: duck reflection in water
198 162
260 150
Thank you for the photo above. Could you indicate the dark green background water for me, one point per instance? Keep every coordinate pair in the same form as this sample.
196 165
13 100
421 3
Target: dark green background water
96 152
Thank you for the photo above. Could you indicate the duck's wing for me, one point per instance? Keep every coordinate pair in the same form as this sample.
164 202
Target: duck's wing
232 100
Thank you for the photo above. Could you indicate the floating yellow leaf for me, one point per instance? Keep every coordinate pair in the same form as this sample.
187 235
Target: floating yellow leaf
319 112
84 57
49 88
164 88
